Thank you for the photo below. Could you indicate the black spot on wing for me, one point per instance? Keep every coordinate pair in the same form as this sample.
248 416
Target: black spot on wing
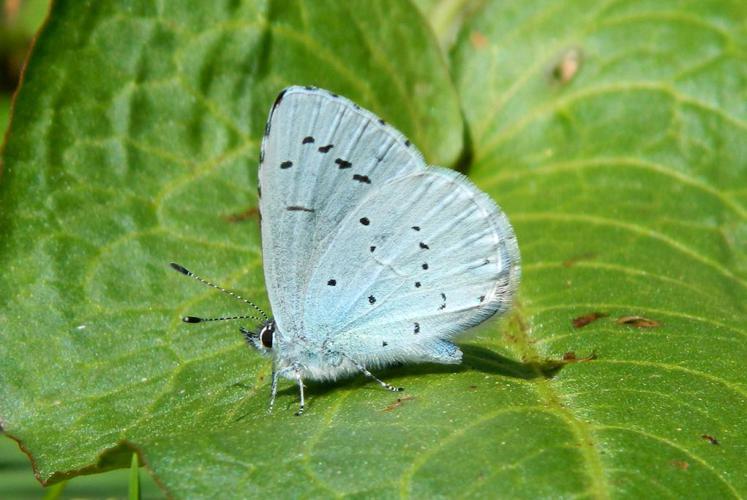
342 163
325 149
417 284
372 248
286 164
425 266
424 246
417 328
416 228
362 179
407 143
296 208
332 282
364 221
371 299
384 344
482 298
381 122
307 140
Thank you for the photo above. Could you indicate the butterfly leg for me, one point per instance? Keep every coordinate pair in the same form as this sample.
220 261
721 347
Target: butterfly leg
300 387
274 390
368 374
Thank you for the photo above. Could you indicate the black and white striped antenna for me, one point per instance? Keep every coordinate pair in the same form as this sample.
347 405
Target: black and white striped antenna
194 319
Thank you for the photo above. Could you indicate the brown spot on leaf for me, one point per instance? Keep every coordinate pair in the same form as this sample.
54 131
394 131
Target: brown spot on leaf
680 464
571 261
637 321
398 403
570 357
710 439
584 320
478 40
472 388
566 66
249 213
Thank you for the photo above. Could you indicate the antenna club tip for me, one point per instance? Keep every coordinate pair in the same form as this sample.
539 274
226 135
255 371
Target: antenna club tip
181 269
191 319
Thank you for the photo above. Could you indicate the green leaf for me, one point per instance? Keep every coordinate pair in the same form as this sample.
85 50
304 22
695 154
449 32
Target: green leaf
17 481
613 136
446 17
134 484
134 143
4 112
55 491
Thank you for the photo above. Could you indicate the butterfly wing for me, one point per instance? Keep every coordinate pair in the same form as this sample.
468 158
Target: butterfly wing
421 258
321 155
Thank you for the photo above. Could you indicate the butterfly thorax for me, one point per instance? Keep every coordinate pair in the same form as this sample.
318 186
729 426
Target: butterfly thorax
308 354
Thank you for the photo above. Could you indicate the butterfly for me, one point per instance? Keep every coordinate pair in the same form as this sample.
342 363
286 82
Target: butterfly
370 256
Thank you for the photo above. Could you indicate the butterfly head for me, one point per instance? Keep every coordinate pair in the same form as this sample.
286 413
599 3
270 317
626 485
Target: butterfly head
262 339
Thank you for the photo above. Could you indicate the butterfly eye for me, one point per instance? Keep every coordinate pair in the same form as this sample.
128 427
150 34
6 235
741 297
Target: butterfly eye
265 336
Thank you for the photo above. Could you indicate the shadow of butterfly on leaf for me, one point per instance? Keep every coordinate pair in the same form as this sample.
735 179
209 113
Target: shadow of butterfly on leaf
476 359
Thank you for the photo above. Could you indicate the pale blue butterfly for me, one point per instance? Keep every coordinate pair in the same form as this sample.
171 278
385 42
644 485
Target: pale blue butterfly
370 256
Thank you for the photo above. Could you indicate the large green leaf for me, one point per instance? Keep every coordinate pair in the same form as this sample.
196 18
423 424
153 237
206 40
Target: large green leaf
613 135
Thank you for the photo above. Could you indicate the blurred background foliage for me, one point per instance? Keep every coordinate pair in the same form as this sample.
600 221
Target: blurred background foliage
20 21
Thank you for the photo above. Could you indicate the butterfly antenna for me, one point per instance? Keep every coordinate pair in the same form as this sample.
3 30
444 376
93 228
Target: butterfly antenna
193 319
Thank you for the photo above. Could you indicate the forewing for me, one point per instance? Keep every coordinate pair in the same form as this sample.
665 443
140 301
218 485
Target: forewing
321 155
421 258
